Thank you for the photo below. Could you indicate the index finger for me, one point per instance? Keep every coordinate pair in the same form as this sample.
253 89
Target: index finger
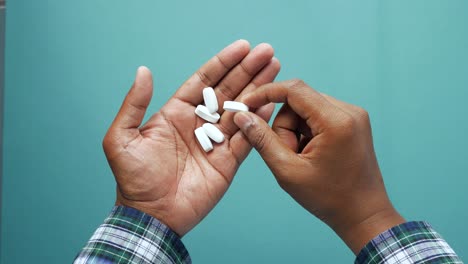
309 104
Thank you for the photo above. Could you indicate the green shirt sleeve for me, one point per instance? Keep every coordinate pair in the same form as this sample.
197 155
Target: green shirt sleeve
130 236
411 242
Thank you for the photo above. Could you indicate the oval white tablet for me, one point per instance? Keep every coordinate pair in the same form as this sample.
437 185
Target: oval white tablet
213 132
204 113
211 102
203 139
232 106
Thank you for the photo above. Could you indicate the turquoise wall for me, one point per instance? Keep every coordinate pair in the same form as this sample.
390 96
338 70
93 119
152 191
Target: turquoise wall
70 63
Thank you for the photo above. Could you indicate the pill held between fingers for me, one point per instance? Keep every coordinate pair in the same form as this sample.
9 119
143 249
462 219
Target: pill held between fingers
203 139
213 132
204 113
211 102
232 106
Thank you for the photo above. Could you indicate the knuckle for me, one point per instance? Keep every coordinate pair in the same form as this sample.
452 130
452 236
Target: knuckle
348 122
360 110
106 142
347 126
363 115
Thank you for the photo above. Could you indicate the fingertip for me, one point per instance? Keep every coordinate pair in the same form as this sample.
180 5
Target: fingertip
242 45
276 62
143 68
243 120
255 98
266 111
259 134
143 71
245 99
274 67
143 76
266 47
243 42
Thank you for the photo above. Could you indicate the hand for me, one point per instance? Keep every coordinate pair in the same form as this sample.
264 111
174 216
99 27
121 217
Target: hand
320 150
159 167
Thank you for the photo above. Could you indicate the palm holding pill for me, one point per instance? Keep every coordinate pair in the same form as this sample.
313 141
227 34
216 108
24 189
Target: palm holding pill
159 167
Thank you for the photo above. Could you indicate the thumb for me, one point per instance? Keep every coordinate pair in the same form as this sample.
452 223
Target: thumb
136 102
273 151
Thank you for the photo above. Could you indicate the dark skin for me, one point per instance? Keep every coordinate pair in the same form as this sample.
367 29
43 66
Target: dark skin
321 152
159 167
319 148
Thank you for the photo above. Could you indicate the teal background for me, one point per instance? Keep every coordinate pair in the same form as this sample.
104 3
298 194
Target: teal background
70 63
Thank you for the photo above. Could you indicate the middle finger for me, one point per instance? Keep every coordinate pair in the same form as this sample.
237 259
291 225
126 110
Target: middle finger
237 79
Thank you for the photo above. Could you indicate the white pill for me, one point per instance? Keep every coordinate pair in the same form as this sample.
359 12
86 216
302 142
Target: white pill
232 106
211 102
203 139
204 113
213 132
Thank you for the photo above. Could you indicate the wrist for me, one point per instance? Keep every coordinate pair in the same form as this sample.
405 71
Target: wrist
149 209
358 235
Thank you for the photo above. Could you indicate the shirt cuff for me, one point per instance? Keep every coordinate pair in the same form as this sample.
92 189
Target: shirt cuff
411 242
131 236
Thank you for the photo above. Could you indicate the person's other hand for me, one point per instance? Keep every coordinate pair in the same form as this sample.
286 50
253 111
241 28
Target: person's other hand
159 167
320 149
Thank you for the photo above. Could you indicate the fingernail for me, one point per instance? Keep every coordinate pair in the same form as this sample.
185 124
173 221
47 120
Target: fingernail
141 69
237 42
243 120
142 74
138 73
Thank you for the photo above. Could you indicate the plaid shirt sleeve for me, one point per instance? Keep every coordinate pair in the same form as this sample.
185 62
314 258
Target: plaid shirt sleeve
411 242
131 236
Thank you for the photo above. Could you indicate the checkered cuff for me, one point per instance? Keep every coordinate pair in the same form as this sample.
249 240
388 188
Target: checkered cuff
411 242
131 236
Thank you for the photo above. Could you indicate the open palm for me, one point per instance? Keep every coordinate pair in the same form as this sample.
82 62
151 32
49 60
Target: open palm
159 167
